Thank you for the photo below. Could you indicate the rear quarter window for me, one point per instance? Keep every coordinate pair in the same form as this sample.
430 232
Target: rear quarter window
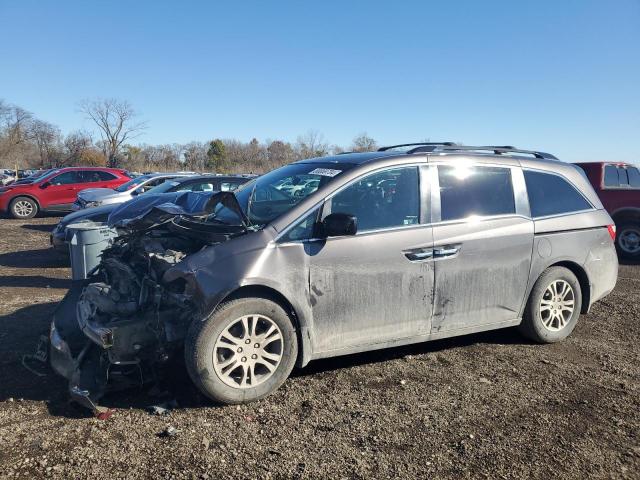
550 194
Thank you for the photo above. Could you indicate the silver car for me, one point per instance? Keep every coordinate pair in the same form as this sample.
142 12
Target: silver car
96 197
404 245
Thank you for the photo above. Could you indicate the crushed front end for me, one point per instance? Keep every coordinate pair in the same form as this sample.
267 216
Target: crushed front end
120 327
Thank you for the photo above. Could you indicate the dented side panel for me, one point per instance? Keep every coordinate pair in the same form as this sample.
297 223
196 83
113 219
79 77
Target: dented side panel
485 280
365 290
588 249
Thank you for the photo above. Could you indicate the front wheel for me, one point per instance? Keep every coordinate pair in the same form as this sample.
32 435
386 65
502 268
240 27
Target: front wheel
553 307
243 352
23 208
628 240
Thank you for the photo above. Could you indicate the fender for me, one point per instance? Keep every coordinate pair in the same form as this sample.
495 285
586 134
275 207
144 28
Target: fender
302 313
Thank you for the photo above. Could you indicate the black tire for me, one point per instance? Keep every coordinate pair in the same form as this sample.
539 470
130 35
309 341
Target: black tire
23 208
533 323
202 337
622 232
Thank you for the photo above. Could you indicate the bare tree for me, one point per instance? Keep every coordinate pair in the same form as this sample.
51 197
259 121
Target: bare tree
363 143
115 120
16 147
75 144
195 156
279 153
47 138
311 144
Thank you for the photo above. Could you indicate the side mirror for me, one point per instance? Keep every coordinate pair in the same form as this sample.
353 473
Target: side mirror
45 185
340 224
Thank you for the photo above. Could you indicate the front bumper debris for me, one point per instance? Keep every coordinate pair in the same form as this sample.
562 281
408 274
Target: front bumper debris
120 327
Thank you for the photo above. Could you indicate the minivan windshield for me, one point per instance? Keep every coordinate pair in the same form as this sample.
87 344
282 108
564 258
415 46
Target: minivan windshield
275 193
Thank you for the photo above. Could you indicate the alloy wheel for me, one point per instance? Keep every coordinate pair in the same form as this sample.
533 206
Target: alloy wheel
23 208
557 305
248 351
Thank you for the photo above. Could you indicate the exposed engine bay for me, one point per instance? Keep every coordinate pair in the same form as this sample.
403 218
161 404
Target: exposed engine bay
126 321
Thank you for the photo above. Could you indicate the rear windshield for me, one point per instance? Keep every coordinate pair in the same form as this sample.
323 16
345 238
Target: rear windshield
125 187
164 186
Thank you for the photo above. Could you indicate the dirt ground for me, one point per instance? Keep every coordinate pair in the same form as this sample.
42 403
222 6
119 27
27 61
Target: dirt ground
489 405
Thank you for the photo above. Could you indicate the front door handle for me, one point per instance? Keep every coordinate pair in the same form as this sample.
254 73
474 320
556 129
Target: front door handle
419 254
445 251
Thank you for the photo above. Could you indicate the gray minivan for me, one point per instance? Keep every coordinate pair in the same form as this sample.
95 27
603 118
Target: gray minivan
407 244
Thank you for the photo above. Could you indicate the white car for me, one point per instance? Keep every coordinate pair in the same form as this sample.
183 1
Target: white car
95 197
6 178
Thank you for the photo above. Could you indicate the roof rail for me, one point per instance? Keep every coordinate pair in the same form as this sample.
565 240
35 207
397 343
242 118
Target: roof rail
440 147
420 147
496 149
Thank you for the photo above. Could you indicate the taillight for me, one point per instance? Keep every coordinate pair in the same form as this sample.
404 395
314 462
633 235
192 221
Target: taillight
612 231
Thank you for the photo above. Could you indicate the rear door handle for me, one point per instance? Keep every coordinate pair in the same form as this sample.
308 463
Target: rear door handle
445 251
419 254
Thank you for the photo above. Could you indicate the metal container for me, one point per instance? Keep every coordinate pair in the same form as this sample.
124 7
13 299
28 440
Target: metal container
88 241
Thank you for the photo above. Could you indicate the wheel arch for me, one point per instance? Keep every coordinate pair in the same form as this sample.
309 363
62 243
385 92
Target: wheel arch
25 195
270 293
627 214
583 279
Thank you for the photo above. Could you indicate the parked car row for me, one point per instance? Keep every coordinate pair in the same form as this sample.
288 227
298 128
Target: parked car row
330 256
76 188
99 212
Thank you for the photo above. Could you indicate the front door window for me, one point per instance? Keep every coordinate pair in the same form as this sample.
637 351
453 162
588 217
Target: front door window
381 200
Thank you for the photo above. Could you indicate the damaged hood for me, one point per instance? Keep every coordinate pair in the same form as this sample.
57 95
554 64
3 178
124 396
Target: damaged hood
131 215
185 211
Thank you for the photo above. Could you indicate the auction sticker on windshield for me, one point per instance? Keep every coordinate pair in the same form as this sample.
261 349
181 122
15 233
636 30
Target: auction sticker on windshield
325 172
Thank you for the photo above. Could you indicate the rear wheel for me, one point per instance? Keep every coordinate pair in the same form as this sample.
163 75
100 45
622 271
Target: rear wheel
553 307
628 240
23 208
243 352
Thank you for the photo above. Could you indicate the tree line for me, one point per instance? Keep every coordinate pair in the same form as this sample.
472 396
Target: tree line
29 142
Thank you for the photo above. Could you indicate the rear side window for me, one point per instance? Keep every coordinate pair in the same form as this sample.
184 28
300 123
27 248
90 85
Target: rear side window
229 186
623 178
475 191
105 176
551 194
620 176
90 176
634 177
205 186
611 176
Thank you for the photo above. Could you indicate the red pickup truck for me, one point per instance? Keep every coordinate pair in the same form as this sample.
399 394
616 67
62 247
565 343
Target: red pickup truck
618 186
56 190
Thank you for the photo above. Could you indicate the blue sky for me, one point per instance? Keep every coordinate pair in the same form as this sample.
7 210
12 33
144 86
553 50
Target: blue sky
561 76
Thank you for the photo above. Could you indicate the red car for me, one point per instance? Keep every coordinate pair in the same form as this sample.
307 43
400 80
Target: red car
618 186
56 190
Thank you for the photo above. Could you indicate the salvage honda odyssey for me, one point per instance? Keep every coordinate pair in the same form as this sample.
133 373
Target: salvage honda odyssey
407 244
